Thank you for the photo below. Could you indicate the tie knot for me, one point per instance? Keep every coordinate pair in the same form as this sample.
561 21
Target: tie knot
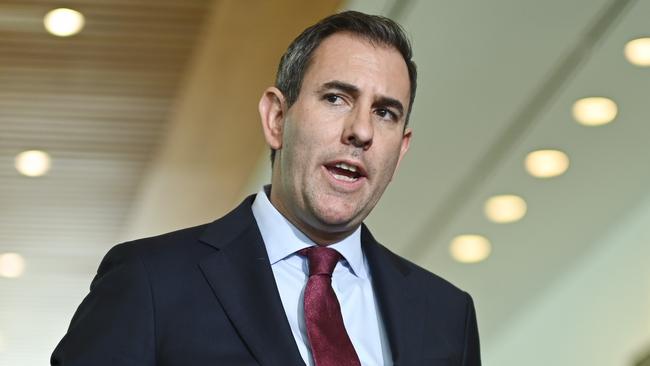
322 260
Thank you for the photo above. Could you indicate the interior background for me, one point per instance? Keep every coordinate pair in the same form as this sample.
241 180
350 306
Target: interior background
150 117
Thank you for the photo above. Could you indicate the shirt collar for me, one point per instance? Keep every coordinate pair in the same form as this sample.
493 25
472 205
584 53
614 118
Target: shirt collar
283 239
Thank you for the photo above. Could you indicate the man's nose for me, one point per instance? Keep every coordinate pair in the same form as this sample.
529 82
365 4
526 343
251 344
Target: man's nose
359 129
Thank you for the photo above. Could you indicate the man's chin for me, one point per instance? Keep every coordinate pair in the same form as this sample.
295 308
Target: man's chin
338 221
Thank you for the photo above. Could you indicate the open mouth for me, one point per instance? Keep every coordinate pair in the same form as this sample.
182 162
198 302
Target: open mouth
345 172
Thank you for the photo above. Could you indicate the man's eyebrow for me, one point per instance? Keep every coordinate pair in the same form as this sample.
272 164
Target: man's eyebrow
382 101
342 86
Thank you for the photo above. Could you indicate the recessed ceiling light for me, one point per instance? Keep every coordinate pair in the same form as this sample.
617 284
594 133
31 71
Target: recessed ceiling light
470 248
637 51
546 163
505 208
594 111
33 163
63 22
12 265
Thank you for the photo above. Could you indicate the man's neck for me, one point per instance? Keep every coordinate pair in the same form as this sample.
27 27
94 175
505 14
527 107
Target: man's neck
321 237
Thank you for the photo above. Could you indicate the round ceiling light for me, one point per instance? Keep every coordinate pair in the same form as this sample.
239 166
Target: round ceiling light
594 111
33 163
504 209
546 163
637 52
470 248
12 265
64 22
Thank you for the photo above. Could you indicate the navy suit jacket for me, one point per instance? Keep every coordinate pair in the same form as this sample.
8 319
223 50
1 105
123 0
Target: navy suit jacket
207 296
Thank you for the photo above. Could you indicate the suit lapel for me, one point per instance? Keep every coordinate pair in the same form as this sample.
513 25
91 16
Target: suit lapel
241 277
400 306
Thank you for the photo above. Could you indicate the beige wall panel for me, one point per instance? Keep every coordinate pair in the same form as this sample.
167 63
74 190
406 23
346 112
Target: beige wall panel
214 138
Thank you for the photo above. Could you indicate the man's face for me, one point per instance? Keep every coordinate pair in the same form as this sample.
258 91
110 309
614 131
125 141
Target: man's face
343 138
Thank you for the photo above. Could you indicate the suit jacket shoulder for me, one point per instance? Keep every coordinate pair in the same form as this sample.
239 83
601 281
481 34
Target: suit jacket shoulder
203 295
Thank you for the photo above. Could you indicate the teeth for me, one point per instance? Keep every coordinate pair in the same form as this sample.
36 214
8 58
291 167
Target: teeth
345 166
345 178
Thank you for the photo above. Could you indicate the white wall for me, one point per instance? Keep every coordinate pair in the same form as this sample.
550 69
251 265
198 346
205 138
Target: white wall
599 314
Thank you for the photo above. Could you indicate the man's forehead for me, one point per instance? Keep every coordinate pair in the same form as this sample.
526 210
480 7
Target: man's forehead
346 46
359 61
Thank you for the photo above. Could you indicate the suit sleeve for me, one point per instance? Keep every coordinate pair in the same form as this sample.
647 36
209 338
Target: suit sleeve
472 352
114 325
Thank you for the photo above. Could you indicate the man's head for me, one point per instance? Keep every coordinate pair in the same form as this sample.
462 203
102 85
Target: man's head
376 29
337 121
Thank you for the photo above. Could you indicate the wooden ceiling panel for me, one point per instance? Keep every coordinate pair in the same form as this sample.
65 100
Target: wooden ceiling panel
97 102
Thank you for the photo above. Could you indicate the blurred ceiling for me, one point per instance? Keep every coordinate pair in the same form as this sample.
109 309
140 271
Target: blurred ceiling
497 80
98 103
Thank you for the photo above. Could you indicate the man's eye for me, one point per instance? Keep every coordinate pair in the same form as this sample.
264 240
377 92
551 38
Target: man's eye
385 113
333 98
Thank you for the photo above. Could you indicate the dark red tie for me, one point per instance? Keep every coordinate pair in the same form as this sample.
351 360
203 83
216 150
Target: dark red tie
330 344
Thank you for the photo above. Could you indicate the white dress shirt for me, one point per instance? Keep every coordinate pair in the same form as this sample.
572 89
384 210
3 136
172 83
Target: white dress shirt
351 283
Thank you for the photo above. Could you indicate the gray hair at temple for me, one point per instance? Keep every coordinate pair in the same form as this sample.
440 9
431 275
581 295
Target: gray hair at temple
376 29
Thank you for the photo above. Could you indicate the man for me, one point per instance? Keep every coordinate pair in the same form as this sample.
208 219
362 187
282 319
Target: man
291 276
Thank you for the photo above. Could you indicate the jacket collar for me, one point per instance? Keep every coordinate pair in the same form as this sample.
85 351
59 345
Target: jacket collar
400 302
240 275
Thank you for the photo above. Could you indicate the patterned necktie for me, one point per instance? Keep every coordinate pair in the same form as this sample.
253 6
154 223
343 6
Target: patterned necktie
330 344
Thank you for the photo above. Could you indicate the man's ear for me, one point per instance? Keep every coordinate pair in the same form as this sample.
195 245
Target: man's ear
272 109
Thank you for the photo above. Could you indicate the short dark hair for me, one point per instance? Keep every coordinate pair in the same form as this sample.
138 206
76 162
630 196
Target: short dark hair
376 29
